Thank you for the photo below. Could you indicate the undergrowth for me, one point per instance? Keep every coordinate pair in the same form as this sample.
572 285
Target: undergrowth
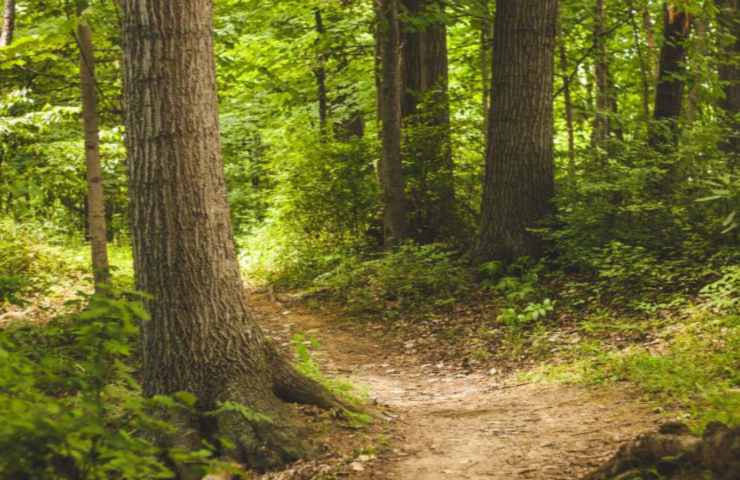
72 409
685 362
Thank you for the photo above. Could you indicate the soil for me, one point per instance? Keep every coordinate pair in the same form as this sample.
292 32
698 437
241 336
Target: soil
447 422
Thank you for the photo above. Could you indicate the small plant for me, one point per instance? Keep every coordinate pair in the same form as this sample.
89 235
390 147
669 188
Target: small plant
532 313
723 295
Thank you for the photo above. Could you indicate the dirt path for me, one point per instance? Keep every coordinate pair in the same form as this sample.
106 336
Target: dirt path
457 425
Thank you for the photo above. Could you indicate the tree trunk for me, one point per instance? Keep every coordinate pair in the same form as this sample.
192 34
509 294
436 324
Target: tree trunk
671 82
425 111
602 119
98 231
6 37
645 64
568 100
486 44
394 201
700 49
519 181
202 337
729 74
647 23
320 73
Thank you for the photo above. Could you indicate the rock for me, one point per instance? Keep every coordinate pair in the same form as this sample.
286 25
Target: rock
357 466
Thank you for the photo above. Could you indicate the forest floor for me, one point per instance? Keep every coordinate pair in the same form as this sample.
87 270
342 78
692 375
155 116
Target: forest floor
450 421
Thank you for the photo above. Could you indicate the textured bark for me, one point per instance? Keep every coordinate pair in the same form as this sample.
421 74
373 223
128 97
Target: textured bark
201 337
98 231
394 201
425 111
6 37
729 73
671 83
519 181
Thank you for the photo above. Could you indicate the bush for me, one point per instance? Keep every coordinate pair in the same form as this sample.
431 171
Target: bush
409 277
28 263
71 408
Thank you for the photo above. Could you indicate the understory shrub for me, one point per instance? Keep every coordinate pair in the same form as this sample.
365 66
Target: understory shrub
28 262
405 278
70 407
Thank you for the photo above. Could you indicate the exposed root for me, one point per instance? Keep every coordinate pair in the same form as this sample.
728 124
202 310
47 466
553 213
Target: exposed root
675 454
290 386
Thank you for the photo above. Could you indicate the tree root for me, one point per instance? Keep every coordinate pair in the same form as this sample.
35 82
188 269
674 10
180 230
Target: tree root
676 454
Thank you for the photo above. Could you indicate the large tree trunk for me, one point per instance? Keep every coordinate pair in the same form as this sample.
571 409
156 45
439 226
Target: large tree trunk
519 181
729 73
6 36
425 111
394 200
98 231
201 337
671 82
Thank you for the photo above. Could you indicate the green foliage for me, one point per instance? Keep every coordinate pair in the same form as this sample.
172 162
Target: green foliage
532 313
71 406
694 370
405 278
723 295
519 286
28 262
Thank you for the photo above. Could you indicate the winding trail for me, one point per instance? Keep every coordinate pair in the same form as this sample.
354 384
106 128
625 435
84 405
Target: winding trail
456 425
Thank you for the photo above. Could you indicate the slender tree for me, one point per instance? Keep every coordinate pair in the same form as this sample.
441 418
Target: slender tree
320 73
645 63
6 36
394 201
671 79
202 337
519 181
95 195
568 104
729 72
425 111
603 116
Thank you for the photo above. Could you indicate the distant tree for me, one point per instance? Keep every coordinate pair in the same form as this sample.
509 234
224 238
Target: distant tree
95 195
671 78
519 180
729 71
6 36
202 337
602 120
389 103
425 111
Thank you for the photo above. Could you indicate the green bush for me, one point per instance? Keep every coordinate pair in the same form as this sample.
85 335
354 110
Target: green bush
28 263
408 277
70 407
